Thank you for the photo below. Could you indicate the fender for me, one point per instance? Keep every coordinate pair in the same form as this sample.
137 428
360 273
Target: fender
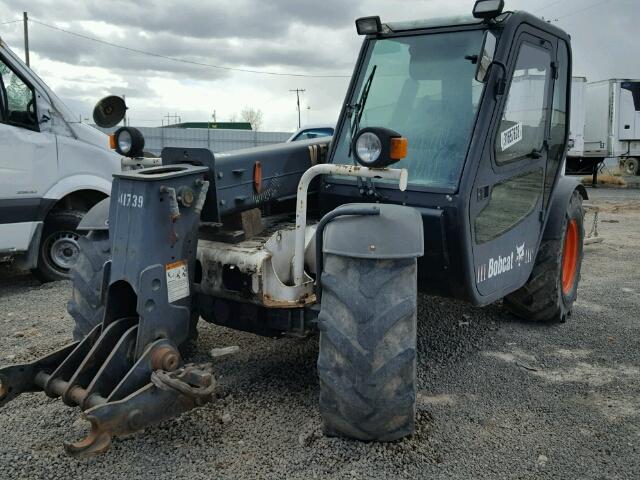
97 218
74 183
561 197
394 232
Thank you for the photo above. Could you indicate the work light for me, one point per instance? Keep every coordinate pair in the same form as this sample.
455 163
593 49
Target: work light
368 25
377 147
488 8
124 142
368 148
128 141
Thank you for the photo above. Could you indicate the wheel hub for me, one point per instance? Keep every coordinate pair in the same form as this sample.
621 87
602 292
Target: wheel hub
64 250
570 256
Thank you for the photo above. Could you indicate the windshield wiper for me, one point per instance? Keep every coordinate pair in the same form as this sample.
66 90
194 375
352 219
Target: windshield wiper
359 107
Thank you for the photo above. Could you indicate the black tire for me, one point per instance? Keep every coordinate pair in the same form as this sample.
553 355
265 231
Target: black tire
367 358
543 298
86 306
59 234
631 166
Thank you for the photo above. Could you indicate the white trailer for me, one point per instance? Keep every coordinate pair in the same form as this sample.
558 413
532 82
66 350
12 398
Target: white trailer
611 127
576 121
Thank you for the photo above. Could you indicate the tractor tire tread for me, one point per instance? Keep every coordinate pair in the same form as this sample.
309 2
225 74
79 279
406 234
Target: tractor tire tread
367 354
86 306
541 299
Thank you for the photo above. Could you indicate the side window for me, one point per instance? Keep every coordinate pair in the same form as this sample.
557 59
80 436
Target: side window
511 201
522 127
557 140
20 104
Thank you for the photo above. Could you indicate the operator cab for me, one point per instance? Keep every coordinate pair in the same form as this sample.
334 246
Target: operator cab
483 102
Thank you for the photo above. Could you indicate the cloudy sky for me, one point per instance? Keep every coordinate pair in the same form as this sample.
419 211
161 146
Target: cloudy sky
303 37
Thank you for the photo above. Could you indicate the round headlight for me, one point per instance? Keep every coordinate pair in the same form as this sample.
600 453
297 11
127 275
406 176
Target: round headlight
129 142
124 142
368 148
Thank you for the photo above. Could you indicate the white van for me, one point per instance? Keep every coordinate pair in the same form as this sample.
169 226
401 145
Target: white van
53 169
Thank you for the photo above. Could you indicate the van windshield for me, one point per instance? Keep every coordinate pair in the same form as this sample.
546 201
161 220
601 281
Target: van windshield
425 90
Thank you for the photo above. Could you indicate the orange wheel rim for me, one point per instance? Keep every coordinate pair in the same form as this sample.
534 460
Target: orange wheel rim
570 256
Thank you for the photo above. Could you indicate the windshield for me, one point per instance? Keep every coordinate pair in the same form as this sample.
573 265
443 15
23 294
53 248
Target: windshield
425 90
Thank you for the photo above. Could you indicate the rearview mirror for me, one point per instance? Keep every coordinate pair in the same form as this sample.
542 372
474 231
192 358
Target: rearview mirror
487 52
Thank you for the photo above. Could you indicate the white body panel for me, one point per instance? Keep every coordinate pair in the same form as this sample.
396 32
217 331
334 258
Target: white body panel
28 162
41 167
15 237
577 118
612 121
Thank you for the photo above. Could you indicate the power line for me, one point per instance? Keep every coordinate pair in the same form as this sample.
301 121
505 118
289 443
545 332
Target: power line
550 5
576 12
10 21
182 60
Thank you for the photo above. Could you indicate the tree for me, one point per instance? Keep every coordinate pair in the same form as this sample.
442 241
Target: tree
253 116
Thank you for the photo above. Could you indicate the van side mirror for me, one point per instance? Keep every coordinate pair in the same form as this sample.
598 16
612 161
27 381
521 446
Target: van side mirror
487 53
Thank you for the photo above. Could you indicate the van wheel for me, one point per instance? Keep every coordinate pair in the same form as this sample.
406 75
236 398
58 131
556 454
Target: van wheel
367 359
552 288
59 248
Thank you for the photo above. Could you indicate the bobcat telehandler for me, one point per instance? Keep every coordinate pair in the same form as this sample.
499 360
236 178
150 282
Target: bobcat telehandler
444 175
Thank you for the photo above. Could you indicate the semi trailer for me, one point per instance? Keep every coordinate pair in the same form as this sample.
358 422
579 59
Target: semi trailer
610 127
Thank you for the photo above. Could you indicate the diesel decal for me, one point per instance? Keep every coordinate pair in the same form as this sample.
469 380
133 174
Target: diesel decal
511 136
499 265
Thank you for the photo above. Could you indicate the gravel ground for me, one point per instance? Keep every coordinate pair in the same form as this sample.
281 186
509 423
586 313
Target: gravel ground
498 398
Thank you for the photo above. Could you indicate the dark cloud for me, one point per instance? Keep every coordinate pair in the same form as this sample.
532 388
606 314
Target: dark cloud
301 36
306 49
212 19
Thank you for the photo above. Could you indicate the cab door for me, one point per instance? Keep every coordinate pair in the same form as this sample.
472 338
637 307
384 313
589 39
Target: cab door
507 202
28 159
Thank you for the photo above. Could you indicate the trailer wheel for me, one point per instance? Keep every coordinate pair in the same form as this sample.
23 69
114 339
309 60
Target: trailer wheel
59 248
367 359
86 306
552 288
631 166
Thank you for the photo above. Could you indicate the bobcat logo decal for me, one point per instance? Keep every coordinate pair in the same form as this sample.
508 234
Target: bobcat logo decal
520 254
499 265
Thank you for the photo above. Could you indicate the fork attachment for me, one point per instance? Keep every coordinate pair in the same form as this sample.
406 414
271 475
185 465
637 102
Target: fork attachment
128 373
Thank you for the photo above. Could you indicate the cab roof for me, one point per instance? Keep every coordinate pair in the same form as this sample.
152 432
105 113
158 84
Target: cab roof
450 21
468 20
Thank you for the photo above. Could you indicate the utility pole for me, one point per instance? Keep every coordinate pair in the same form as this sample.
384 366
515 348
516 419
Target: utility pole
25 20
214 116
298 90
124 98
176 118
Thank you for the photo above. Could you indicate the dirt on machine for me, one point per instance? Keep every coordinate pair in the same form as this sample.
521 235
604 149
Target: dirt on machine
444 176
